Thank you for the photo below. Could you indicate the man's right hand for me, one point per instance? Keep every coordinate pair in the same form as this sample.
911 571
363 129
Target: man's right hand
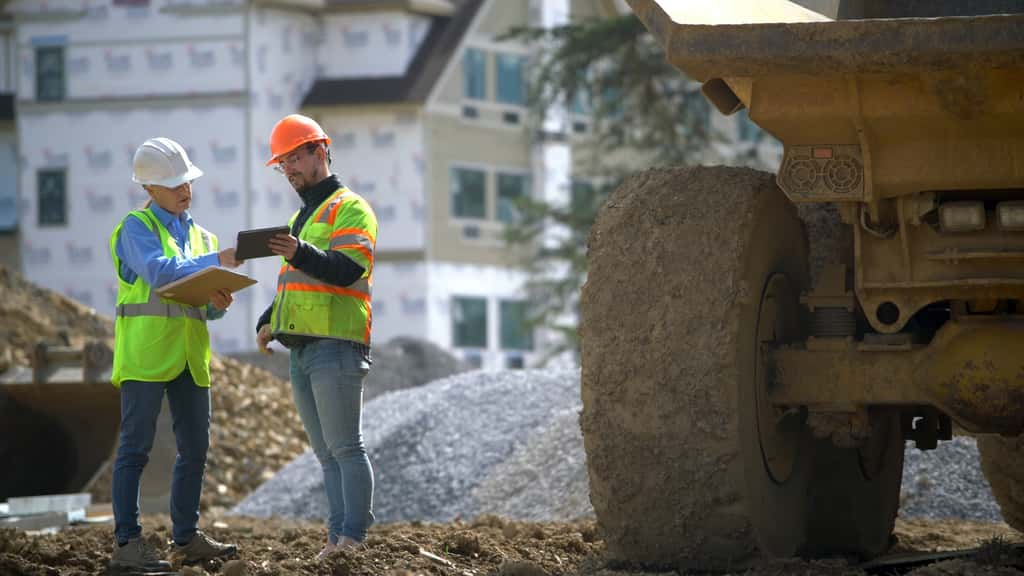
263 338
227 258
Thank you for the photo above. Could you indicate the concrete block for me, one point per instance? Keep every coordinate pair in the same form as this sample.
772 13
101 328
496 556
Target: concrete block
43 521
27 505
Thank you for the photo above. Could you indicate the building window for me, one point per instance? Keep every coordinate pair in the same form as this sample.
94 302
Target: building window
469 193
582 196
511 87
612 101
580 99
50 73
516 333
8 212
469 322
512 189
52 188
580 102
474 74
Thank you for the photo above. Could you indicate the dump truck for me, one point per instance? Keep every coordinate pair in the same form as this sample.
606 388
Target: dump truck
757 350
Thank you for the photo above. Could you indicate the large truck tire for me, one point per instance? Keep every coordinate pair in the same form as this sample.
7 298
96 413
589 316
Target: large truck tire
691 272
1002 461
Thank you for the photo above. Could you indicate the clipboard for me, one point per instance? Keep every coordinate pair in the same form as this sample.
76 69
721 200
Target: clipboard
253 243
195 289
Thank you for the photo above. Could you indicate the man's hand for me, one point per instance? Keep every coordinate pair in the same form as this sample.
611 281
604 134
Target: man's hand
284 245
221 299
263 337
226 258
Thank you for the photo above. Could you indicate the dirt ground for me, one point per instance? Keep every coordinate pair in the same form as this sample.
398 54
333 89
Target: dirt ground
488 545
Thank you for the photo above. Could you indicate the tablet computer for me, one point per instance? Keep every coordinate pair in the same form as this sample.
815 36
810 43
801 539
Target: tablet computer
253 243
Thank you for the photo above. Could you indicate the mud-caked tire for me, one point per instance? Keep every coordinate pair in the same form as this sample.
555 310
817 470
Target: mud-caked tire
1002 461
691 273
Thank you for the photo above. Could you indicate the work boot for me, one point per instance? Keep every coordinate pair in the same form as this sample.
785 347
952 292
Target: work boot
344 543
327 550
202 548
137 556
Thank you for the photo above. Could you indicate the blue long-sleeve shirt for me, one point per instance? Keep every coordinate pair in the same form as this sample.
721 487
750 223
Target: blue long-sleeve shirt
141 254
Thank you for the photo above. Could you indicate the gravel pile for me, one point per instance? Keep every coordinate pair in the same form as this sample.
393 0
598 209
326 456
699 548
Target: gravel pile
946 483
463 446
508 443
544 480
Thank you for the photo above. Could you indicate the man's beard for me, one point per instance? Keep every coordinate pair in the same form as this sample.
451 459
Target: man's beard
298 181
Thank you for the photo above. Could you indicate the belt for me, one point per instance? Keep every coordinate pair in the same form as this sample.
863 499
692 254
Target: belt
297 341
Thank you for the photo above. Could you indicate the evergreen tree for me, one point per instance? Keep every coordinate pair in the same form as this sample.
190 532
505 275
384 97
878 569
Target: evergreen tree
640 112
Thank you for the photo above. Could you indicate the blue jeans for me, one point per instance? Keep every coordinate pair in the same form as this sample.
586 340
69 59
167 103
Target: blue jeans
327 384
140 407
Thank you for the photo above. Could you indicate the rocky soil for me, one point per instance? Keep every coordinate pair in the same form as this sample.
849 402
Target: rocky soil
488 545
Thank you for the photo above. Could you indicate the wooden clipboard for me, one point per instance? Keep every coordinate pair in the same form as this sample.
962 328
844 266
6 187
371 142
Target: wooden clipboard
195 289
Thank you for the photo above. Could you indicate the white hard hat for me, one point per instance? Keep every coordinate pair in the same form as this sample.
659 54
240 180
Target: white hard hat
163 162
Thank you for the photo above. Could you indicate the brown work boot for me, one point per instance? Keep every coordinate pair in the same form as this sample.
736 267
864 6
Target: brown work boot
202 548
344 543
326 551
137 556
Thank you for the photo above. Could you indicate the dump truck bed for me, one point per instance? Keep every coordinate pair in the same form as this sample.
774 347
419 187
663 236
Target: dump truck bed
751 49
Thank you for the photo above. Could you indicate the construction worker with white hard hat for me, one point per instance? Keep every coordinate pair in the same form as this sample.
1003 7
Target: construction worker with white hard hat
322 314
162 347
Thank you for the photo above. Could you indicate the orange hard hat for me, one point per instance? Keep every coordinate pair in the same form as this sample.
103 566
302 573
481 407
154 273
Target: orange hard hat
291 132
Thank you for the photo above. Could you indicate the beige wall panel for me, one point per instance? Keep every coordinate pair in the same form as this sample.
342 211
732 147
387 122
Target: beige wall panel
452 141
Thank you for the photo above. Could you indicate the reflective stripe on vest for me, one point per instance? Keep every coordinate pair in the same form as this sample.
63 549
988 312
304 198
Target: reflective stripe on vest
300 282
161 309
307 306
353 239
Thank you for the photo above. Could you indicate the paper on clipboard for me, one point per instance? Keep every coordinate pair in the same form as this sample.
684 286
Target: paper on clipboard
195 289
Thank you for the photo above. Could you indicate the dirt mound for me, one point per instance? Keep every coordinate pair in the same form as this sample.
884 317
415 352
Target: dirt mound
488 545
255 429
32 314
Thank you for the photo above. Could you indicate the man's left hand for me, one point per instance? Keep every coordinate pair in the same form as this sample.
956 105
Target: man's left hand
221 299
284 245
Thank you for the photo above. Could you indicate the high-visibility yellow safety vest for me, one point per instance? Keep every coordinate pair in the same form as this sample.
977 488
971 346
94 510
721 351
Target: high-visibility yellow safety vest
154 337
309 307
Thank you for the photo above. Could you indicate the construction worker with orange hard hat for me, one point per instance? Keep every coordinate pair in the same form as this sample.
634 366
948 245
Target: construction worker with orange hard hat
162 348
322 314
